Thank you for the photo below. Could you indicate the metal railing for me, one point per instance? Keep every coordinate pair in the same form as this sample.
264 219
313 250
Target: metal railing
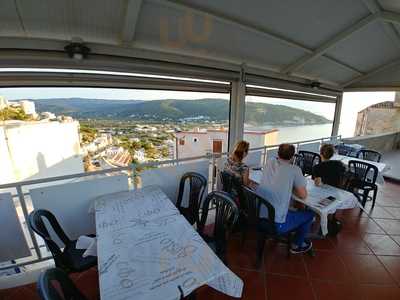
22 195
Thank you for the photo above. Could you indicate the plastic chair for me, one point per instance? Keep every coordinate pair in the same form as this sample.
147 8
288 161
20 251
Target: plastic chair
310 159
342 149
363 177
370 155
54 284
298 160
226 215
69 259
233 185
265 226
197 186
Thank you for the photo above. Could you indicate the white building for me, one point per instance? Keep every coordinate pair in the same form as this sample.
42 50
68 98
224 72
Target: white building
48 115
32 150
28 107
140 155
200 142
3 102
99 143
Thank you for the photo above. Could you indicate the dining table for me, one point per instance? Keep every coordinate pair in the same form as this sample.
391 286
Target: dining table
147 250
382 167
322 199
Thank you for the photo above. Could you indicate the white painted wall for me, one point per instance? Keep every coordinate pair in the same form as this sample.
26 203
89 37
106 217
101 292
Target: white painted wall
32 150
200 143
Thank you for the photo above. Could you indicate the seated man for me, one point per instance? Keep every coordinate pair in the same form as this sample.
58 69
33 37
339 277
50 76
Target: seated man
328 171
279 181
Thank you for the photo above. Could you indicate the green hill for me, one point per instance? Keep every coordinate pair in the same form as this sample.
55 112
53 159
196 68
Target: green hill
177 110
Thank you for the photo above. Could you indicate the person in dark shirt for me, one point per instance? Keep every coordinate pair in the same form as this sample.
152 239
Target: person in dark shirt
328 171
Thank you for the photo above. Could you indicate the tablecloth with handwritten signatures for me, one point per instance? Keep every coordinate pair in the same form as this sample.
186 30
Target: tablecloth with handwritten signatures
147 250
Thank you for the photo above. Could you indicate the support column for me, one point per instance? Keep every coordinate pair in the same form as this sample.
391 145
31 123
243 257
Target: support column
338 111
236 112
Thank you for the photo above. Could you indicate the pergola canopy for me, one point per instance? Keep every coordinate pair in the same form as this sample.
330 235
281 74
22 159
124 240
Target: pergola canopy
342 44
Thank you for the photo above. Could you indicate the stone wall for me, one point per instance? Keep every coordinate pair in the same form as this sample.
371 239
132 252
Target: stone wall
377 120
379 142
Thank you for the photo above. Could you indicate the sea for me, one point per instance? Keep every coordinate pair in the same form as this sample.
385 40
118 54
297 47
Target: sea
290 134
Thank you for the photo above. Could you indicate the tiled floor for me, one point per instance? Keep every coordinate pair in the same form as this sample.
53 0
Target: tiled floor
362 262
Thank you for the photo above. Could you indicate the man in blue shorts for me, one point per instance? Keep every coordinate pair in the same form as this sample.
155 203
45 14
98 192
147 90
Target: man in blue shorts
279 181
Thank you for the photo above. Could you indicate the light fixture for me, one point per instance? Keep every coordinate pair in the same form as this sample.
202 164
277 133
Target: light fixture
77 49
315 85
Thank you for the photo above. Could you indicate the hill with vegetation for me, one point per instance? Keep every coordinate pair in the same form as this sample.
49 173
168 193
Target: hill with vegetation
176 110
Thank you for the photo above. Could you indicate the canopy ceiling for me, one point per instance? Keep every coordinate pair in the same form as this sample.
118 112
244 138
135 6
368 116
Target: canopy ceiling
342 44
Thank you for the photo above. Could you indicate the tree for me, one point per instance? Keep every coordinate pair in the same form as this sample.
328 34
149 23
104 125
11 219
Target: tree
151 153
88 134
146 145
13 113
164 151
136 145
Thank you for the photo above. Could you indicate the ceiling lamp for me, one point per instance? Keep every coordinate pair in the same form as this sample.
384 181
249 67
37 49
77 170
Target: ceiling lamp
77 49
315 85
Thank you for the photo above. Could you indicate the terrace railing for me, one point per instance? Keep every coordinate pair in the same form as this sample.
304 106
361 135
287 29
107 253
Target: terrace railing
70 197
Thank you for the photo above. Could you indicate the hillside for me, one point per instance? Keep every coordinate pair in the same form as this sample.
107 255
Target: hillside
175 110
81 107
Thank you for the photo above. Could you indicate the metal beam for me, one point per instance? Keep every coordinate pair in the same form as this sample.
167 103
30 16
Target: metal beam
338 112
391 17
124 59
260 30
373 72
130 22
331 43
224 18
374 7
237 112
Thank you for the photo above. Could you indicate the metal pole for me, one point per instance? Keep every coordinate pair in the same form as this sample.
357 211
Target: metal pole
338 111
214 173
26 216
236 112
176 149
265 155
134 176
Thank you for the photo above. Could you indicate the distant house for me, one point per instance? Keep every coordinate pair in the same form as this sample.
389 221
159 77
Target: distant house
379 118
199 142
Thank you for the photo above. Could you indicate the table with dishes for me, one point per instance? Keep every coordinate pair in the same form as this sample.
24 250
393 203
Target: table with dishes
147 250
323 199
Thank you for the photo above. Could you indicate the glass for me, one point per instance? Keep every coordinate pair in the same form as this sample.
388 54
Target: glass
89 129
356 102
287 120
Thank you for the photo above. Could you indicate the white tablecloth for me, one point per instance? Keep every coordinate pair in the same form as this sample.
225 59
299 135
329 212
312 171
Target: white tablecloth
146 250
343 199
381 166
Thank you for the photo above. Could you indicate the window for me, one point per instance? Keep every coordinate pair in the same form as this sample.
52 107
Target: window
109 127
217 146
286 120
356 120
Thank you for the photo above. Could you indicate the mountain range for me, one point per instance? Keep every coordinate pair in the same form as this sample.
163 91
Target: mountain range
175 110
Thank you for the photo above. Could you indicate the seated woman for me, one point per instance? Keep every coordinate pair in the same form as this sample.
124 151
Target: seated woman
328 171
235 164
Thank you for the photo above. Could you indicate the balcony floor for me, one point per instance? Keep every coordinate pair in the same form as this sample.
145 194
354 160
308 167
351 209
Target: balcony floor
362 262
391 159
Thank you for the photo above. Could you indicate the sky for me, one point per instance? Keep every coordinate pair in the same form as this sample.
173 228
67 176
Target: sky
352 102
